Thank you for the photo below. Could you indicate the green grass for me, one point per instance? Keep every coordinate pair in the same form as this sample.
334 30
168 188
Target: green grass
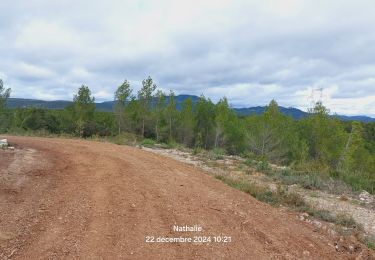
322 214
290 199
358 182
371 243
280 197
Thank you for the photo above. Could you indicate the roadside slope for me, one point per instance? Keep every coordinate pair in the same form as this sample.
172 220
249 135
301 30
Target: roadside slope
91 200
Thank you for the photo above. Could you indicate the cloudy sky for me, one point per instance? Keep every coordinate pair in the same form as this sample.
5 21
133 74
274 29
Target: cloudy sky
247 50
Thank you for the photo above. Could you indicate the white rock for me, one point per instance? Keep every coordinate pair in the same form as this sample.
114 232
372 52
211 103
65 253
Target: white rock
306 253
317 224
366 197
3 143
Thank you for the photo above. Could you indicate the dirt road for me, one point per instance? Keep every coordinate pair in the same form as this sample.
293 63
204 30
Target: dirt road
71 199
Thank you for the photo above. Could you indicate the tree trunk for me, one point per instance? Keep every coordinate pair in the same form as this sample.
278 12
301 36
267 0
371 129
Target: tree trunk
157 130
143 127
206 140
342 157
217 137
119 127
263 146
170 128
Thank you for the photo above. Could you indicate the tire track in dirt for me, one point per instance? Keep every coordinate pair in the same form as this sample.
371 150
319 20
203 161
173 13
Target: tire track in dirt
99 201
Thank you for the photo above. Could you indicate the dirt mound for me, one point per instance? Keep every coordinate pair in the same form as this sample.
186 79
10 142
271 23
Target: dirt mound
71 199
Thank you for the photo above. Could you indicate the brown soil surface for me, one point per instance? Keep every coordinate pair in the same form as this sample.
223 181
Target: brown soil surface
73 199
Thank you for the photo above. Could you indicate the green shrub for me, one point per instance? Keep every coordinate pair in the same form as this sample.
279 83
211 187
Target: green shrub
311 182
172 144
289 179
163 146
250 162
248 155
281 196
125 139
345 220
319 213
370 242
263 166
148 142
286 171
358 182
216 154
292 200
197 150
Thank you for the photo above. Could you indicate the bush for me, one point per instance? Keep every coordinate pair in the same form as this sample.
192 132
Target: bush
148 142
172 144
319 213
250 162
263 166
250 188
311 181
305 179
281 196
346 221
286 171
294 201
291 199
370 241
163 146
125 139
358 182
217 154
197 150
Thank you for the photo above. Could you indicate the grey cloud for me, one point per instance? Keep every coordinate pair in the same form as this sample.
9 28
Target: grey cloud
250 51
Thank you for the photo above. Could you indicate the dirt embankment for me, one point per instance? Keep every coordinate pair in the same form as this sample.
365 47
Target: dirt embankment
360 207
70 199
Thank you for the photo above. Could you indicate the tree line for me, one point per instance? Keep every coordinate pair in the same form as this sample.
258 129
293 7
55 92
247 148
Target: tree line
318 142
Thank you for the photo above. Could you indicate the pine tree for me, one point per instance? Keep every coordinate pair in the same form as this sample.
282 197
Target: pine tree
222 116
159 113
205 121
4 95
325 136
122 95
267 134
83 108
356 155
187 123
5 119
145 99
171 113
134 115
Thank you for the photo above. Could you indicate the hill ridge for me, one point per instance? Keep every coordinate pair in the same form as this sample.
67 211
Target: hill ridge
107 106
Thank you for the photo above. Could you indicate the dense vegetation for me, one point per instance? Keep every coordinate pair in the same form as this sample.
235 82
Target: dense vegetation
316 144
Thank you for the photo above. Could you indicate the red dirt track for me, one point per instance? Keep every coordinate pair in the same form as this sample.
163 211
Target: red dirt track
74 199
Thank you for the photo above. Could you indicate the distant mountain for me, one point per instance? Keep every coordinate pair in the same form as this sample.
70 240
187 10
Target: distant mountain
298 114
24 103
364 119
291 111
107 106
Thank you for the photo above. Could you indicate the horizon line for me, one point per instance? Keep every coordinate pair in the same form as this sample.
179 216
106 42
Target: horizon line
234 107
